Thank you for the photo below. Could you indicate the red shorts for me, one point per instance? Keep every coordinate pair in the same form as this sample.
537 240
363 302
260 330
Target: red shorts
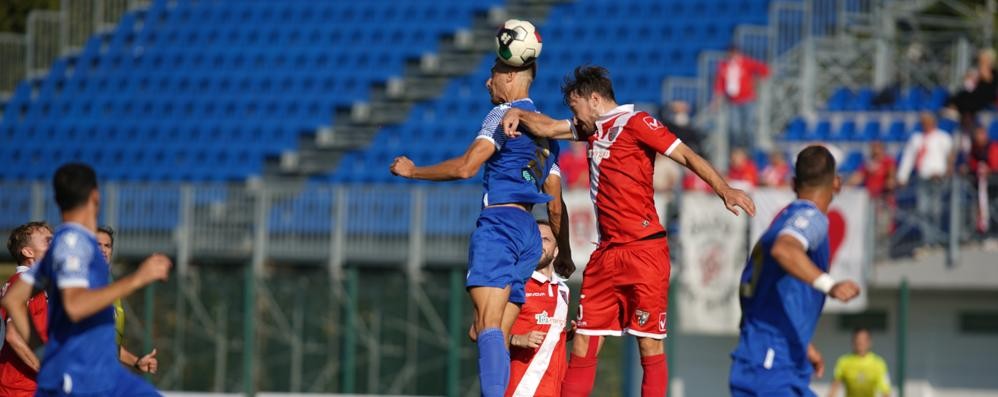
625 288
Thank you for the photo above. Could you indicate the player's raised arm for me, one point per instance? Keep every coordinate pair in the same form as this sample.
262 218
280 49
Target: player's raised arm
791 254
733 198
558 218
461 167
538 123
81 302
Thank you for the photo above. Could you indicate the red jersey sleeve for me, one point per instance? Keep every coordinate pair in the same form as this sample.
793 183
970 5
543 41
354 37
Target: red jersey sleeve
653 134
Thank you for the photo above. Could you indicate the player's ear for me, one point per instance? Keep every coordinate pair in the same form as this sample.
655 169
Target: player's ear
27 252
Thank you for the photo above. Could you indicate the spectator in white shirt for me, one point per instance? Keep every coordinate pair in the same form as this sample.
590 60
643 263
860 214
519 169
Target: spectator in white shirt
930 153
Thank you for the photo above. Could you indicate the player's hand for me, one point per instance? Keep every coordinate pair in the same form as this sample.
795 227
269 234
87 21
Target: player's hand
570 331
735 198
844 290
403 167
564 265
154 268
510 121
818 362
148 363
530 340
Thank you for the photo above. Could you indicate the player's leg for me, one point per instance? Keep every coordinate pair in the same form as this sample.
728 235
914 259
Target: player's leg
599 315
493 357
646 274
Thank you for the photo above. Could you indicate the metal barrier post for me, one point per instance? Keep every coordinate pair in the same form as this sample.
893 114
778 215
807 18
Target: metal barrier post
350 334
454 327
249 332
902 335
148 307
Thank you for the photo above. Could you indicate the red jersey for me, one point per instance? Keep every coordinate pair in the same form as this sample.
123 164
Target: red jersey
875 174
734 78
16 378
538 372
746 174
621 163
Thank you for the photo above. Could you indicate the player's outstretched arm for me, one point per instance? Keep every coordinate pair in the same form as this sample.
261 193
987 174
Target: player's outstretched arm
538 124
462 167
558 218
81 303
791 255
15 302
733 198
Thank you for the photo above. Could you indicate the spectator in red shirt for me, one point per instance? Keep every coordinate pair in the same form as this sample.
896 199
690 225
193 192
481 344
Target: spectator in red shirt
735 82
574 166
876 172
777 173
742 171
982 161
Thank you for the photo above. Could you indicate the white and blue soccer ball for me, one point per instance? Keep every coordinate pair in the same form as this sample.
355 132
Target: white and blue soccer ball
518 43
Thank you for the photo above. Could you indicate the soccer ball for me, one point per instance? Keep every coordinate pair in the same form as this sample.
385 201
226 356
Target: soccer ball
518 43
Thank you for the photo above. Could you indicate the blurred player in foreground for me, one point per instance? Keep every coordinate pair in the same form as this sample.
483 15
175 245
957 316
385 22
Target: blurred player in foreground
506 245
18 362
539 332
147 363
783 289
863 373
625 287
79 359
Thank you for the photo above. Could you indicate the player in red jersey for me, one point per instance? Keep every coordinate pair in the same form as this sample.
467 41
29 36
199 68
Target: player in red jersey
625 286
537 344
18 363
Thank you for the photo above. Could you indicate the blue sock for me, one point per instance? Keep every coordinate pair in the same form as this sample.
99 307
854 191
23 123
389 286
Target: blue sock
493 362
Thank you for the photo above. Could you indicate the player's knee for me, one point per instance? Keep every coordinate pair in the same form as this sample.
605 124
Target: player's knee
651 346
586 346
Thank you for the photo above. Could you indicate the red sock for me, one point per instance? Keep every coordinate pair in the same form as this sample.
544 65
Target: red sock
656 377
581 375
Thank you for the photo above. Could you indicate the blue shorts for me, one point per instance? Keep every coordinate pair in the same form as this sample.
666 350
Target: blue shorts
125 384
505 250
752 380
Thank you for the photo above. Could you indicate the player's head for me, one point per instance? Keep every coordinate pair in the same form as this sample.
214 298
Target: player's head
733 50
876 149
29 242
75 186
589 93
861 342
507 83
548 244
815 172
105 239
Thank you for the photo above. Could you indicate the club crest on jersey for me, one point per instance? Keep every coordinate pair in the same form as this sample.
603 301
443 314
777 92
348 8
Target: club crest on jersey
641 316
652 123
542 318
613 133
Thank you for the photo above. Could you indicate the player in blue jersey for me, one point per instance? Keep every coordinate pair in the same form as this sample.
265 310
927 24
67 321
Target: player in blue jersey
783 289
81 358
506 244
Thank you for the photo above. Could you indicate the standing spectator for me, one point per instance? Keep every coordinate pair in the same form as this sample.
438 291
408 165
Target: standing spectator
742 171
982 161
877 174
979 90
777 172
735 82
679 120
863 373
574 166
930 153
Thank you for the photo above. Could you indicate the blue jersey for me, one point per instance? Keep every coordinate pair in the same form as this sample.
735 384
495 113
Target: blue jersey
516 171
780 312
79 357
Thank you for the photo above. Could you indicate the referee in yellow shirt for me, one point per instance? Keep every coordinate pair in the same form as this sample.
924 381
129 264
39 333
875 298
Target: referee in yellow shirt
863 373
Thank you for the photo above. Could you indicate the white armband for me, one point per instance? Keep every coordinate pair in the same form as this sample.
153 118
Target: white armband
823 283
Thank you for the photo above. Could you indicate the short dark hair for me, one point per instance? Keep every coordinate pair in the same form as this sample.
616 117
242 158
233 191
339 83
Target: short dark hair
108 231
586 80
20 237
815 167
857 330
73 183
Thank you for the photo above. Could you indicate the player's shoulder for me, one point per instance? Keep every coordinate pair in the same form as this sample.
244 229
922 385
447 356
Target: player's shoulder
643 120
